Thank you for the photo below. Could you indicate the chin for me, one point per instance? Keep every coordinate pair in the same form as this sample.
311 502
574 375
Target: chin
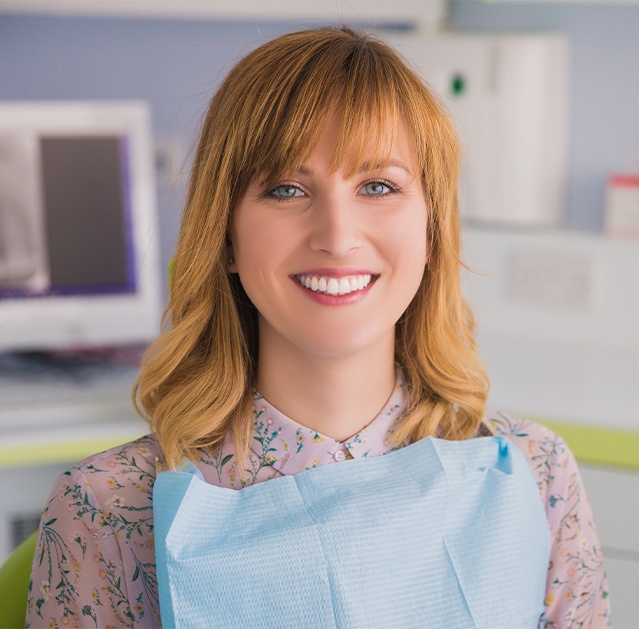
342 345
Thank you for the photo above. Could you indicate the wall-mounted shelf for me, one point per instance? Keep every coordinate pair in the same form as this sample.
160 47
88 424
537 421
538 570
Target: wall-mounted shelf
428 13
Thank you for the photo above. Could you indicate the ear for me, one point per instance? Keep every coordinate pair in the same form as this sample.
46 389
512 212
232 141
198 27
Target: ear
231 265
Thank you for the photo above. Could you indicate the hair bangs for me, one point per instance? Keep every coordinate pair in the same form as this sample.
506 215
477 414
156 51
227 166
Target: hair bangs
369 115
348 79
281 132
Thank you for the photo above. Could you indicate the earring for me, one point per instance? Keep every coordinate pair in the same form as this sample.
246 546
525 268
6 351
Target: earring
230 259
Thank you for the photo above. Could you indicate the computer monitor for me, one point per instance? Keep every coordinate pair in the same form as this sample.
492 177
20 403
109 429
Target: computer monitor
79 252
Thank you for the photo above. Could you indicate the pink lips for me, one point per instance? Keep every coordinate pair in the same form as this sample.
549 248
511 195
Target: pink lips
332 272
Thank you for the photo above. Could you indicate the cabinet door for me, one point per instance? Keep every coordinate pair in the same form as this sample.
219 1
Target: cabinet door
614 496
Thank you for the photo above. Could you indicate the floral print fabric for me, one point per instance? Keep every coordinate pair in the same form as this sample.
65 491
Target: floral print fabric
94 564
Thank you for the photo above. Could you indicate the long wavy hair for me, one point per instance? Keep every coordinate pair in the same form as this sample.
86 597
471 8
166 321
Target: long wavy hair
197 379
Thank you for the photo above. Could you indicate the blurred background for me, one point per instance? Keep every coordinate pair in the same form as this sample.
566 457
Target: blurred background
546 98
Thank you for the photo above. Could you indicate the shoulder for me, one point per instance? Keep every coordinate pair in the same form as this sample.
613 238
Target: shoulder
531 437
95 544
550 459
122 475
517 427
107 495
140 453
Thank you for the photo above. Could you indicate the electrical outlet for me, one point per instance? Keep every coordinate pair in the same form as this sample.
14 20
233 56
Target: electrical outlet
555 279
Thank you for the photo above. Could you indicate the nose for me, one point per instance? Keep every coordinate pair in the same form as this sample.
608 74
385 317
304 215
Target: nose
335 226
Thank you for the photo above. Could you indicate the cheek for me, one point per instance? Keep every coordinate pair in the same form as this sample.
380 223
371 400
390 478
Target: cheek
419 234
250 243
410 238
260 247
243 233
412 252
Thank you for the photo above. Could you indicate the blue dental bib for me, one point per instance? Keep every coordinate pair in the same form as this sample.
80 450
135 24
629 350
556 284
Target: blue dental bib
437 534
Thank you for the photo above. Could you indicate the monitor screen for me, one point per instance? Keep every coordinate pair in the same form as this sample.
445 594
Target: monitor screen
79 255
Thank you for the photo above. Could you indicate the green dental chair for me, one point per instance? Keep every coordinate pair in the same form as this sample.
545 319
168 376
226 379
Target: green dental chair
14 584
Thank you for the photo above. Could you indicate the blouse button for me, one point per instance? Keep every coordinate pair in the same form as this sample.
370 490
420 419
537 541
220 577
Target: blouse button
340 455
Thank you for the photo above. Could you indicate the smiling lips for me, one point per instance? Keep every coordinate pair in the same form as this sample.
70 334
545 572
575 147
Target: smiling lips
333 285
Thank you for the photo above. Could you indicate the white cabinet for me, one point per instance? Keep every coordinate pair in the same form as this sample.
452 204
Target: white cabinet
557 317
614 496
508 96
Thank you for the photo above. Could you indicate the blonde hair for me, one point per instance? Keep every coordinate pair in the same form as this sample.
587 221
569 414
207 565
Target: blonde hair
197 380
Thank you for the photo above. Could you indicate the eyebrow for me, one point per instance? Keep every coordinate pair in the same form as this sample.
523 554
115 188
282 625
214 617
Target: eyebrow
366 167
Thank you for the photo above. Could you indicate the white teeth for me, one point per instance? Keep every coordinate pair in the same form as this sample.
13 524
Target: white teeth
335 286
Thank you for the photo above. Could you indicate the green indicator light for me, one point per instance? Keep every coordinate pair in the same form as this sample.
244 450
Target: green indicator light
458 84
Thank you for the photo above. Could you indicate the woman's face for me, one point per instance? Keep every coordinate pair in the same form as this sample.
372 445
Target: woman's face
331 262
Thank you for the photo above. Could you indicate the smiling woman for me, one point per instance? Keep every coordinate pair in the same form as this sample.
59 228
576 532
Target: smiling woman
316 318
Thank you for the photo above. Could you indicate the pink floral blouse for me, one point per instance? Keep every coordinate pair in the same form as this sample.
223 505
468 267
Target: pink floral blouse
94 564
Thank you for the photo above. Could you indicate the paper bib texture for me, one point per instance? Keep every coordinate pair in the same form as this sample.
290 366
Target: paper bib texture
438 534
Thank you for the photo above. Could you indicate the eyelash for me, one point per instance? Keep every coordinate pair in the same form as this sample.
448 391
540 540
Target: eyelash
270 192
393 188
389 184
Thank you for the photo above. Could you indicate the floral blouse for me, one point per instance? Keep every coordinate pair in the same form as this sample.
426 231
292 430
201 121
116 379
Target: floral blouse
94 564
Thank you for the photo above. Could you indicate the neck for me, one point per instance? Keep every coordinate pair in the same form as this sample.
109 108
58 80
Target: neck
337 397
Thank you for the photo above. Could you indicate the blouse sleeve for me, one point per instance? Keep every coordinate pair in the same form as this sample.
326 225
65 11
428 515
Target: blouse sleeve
576 586
77 575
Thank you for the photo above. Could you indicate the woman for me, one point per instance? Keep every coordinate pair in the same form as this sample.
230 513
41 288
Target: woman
316 317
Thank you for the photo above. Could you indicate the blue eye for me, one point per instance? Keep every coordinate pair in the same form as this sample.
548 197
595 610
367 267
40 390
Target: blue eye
377 188
286 191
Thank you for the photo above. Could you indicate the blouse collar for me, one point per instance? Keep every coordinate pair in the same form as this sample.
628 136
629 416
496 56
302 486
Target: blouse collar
290 447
